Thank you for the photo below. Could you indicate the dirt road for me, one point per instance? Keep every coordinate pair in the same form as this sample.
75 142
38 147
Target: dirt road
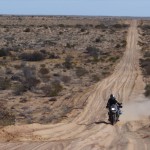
90 129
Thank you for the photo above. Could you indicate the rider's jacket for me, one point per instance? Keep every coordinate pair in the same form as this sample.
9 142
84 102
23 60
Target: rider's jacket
112 101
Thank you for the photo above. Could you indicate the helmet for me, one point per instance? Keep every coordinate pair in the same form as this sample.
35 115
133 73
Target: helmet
112 96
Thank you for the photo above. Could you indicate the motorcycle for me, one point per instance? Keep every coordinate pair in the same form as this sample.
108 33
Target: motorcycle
114 113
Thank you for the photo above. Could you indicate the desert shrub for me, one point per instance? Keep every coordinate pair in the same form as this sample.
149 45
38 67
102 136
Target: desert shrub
31 83
147 54
26 30
43 51
53 56
42 65
4 52
58 66
56 74
29 71
101 26
48 119
65 109
35 56
124 43
145 27
8 71
68 62
61 25
120 26
66 79
117 46
16 78
113 58
97 40
4 83
68 45
19 89
44 71
95 77
30 77
78 26
94 52
147 90
81 71
6 117
145 63
52 89
83 29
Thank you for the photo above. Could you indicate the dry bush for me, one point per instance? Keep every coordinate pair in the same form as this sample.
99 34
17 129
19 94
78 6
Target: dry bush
30 80
147 54
19 89
95 77
94 52
4 83
98 40
113 58
4 52
147 90
68 62
145 27
35 56
120 26
145 63
81 71
48 119
44 71
101 26
53 56
26 30
52 89
6 118
66 79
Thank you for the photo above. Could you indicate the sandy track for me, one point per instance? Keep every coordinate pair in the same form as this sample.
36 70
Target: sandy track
90 130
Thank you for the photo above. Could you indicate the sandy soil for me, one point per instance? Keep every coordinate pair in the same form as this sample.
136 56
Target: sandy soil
90 129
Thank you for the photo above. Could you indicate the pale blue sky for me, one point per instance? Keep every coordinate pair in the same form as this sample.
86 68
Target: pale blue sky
76 7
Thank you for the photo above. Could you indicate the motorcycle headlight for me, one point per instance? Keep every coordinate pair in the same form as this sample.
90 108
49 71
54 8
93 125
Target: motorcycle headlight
112 108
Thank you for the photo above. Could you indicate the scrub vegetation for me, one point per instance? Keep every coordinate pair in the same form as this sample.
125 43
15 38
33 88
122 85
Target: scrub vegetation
46 61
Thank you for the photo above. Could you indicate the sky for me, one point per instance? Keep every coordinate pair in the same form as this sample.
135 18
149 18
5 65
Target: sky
140 8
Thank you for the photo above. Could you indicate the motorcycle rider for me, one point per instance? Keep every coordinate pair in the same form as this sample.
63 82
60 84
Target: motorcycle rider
112 100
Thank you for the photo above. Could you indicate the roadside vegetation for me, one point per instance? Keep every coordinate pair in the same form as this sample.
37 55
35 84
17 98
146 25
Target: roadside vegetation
144 42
